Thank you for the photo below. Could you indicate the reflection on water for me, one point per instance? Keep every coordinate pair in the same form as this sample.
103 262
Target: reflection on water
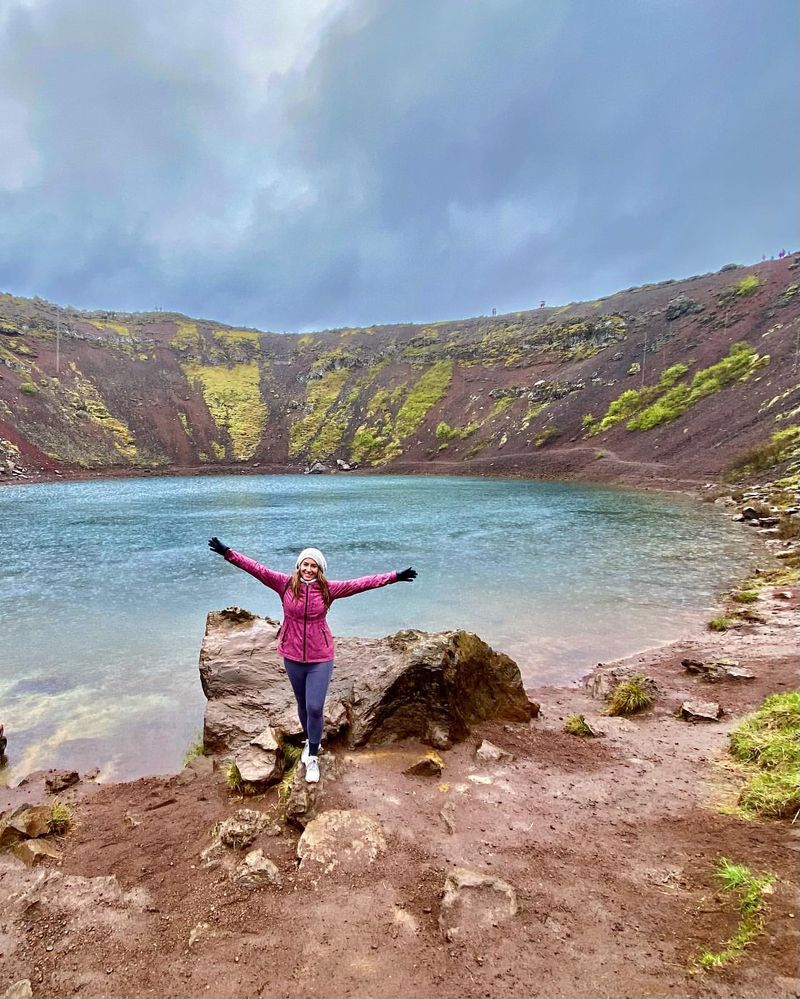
102 613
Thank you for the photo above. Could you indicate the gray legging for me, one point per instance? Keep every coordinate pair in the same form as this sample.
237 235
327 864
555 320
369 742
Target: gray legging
310 685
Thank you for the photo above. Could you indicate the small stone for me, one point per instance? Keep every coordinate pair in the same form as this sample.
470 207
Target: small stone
242 828
255 871
701 711
430 765
197 931
60 780
488 752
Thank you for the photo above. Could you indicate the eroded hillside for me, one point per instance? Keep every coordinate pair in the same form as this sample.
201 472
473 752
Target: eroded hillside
671 383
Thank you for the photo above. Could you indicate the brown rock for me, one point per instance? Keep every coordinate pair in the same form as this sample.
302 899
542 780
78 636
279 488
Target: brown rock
256 871
717 671
34 851
419 685
31 820
489 753
60 780
430 765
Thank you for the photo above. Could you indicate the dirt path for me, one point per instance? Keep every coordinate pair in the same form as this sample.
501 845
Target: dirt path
610 845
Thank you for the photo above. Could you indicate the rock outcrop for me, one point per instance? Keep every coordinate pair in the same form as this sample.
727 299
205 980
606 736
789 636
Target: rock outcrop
410 685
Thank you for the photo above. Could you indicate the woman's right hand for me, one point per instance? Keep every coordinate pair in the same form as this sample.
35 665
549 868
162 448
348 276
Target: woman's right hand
217 546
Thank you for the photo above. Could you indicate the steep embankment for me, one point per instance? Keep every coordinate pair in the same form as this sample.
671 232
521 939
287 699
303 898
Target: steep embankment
665 383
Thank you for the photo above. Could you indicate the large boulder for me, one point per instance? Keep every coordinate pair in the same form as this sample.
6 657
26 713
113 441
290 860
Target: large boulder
346 840
411 685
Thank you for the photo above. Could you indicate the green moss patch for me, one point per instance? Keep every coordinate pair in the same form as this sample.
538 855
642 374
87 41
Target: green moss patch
233 397
783 446
422 396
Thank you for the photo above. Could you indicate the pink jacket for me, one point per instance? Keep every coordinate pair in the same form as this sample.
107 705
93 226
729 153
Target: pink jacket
305 635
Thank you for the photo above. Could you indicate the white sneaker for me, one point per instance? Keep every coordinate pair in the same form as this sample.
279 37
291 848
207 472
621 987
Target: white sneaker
304 754
312 770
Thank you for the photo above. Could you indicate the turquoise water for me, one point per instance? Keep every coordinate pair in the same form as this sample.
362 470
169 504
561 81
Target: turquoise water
104 587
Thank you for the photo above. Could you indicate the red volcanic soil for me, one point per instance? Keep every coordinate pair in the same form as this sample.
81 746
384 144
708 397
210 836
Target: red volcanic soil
610 845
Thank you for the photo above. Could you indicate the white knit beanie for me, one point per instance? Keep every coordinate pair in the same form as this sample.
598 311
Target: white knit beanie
316 555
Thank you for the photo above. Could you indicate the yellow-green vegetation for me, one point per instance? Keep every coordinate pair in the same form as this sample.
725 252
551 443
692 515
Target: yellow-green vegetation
187 337
751 893
28 388
184 422
233 397
633 401
664 402
501 405
429 390
86 400
235 783
766 745
576 725
445 433
218 450
783 446
630 696
106 324
534 409
197 748
720 623
61 818
291 761
587 421
744 596
321 394
235 338
748 285
545 435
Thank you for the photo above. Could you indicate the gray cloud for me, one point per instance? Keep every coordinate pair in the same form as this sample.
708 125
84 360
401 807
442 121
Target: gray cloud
344 162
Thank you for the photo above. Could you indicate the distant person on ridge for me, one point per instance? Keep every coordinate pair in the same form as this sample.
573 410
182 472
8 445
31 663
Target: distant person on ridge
306 642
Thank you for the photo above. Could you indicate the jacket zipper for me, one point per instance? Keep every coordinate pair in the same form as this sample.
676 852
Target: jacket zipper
305 624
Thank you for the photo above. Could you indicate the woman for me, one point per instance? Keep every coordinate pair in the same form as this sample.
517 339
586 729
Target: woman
306 642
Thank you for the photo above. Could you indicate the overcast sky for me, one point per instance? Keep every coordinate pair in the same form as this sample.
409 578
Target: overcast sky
301 164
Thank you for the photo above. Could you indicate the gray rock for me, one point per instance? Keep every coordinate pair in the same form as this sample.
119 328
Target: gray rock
256 871
488 752
417 683
343 841
242 828
601 682
718 671
19 990
304 800
259 766
682 305
700 711
474 904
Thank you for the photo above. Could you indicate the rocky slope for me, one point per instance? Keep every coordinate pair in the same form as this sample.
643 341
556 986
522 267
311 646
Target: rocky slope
671 383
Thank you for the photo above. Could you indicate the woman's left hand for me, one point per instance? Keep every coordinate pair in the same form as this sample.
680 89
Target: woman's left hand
407 575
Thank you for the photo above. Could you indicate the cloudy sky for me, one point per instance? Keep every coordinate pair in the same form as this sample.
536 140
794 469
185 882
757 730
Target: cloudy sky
300 164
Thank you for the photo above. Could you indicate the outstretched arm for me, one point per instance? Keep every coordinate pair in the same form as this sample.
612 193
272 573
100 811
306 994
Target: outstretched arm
277 581
348 587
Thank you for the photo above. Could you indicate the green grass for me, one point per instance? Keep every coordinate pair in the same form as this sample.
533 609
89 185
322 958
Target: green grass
782 446
28 388
744 596
430 388
751 891
633 401
196 749
61 818
235 783
291 761
630 696
767 745
576 725
720 623
742 361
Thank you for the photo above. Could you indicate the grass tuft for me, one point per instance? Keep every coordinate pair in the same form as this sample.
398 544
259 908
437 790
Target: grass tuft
61 818
291 761
744 596
234 781
751 891
576 725
196 748
630 696
720 623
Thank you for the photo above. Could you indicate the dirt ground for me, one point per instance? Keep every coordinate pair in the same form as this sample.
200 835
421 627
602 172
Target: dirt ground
610 844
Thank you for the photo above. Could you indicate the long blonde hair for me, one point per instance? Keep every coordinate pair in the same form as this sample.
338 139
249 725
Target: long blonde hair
295 584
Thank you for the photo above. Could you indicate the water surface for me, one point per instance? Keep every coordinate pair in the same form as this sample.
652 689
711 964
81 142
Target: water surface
105 586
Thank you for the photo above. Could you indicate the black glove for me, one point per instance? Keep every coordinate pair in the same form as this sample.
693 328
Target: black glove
407 575
217 546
